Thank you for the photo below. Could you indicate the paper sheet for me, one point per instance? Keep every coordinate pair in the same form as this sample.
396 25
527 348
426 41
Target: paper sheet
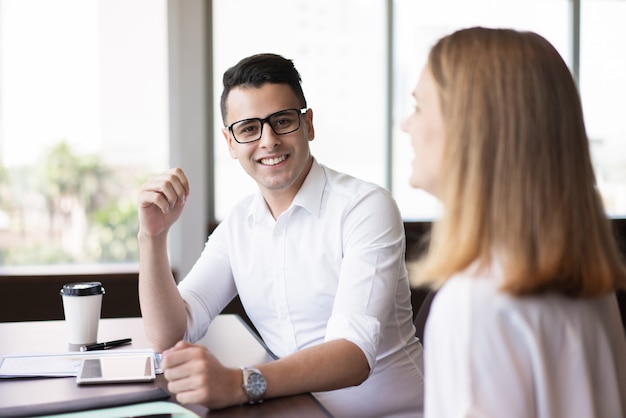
59 364
141 409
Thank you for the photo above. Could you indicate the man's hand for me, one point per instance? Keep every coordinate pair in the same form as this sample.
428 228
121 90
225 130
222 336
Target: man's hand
161 201
195 376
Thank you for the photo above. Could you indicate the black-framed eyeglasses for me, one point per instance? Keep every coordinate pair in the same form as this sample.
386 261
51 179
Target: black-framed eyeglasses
282 122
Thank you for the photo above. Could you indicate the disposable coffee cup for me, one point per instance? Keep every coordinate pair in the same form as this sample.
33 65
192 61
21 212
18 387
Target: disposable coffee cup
81 305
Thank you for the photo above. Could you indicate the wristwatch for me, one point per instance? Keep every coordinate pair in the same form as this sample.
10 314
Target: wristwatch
254 384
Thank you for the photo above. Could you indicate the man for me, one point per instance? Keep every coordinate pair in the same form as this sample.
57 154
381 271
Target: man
316 257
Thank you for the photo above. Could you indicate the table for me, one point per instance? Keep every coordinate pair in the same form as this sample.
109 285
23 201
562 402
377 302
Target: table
228 338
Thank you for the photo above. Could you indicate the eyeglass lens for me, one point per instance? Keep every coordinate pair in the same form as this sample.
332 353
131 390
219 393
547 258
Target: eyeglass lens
283 122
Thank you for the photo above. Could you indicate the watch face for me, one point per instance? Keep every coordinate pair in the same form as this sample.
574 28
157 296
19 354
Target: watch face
256 385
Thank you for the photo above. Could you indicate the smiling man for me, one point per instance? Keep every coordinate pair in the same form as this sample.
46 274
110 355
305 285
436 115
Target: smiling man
316 257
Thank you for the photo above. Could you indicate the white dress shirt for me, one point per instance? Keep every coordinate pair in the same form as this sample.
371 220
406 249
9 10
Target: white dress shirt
490 354
330 267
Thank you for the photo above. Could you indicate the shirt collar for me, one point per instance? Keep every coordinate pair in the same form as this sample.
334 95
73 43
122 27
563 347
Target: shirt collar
308 197
310 194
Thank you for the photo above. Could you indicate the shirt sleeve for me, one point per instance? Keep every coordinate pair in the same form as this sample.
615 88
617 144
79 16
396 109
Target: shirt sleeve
209 285
372 266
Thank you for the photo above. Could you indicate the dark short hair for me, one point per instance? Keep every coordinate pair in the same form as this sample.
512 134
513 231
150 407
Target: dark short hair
256 70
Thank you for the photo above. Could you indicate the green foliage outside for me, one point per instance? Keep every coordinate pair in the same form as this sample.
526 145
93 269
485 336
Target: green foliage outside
68 209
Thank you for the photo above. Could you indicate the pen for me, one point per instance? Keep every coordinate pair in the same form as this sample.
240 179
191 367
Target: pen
105 345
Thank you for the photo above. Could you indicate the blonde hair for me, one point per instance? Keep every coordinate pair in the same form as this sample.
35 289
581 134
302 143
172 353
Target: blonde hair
516 178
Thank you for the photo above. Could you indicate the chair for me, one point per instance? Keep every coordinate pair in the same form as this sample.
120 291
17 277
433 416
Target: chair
422 315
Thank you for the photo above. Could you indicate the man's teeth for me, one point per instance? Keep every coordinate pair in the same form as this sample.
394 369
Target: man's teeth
273 161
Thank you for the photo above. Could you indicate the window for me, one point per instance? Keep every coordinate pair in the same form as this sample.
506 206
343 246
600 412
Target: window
417 28
83 119
603 88
339 49
342 49
96 94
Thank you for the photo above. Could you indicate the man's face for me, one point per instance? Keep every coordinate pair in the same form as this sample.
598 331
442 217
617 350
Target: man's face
278 163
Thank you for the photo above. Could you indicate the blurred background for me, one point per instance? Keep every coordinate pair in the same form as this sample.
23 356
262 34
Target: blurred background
97 94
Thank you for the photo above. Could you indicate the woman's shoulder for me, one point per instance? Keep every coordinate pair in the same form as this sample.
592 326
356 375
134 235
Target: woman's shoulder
477 296
474 298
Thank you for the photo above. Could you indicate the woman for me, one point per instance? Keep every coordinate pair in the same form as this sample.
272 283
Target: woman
525 322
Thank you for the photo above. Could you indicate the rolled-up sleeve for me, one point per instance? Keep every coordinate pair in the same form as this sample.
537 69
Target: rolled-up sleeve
371 268
362 330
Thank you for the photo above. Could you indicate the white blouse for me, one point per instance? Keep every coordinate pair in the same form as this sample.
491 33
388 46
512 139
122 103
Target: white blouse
489 354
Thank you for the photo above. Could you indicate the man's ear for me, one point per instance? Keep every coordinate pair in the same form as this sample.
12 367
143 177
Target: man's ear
229 142
308 120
